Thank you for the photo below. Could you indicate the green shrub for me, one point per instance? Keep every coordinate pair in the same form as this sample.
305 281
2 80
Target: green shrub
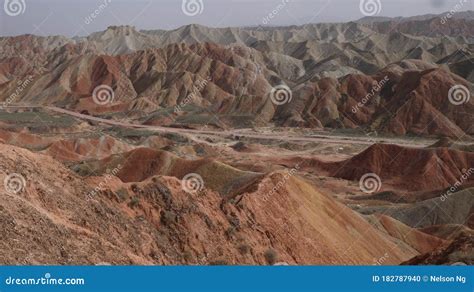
271 256
134 202
243 248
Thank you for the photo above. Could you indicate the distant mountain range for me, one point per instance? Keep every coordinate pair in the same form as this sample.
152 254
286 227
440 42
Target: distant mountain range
466 15
389 75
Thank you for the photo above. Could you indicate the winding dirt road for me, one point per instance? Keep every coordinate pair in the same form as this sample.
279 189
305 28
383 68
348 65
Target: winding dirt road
244 133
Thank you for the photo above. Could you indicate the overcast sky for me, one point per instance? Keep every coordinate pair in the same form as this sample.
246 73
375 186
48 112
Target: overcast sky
82 17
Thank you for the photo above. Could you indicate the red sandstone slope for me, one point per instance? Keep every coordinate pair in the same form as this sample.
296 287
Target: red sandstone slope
143 163
421 105
458 252
217 78
67 150
156 222
408 168
422 242
84 149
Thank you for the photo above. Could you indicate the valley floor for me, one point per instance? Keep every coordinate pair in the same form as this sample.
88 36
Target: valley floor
88 190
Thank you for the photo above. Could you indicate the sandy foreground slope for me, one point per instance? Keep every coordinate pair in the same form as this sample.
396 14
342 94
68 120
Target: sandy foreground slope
55 220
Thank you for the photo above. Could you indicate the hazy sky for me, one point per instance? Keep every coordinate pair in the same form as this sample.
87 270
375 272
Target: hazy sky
73 17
